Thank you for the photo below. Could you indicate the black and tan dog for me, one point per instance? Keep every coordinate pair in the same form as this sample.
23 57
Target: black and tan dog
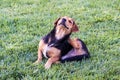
58 46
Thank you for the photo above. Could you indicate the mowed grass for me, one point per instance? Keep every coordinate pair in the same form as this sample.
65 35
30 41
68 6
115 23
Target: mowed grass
24 22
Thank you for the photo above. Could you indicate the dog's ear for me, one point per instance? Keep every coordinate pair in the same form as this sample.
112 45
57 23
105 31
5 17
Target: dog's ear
75 27
55 23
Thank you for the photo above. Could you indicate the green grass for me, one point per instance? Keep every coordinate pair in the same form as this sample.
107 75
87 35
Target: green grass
24 22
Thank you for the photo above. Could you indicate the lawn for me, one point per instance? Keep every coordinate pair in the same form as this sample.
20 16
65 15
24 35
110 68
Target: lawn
24 22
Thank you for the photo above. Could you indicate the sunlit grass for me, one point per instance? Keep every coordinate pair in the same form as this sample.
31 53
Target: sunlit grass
24 22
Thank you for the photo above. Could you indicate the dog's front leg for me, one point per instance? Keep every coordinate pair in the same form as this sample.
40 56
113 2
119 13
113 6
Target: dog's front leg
40 48
51 61
39 59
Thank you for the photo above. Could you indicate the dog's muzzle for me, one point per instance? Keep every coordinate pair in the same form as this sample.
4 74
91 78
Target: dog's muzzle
63 23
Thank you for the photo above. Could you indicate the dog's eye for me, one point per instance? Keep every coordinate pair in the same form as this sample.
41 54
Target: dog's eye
70 21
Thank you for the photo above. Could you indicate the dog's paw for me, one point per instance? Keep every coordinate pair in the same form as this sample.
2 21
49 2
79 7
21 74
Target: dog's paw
47 66
57 62
36 62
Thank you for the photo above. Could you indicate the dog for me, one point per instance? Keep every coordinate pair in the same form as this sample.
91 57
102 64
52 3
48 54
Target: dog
57 45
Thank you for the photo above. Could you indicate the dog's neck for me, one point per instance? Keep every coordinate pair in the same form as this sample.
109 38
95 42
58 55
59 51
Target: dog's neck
61 32
56 42
59 36
55 37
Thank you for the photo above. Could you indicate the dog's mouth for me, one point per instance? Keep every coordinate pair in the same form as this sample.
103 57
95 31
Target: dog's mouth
63 23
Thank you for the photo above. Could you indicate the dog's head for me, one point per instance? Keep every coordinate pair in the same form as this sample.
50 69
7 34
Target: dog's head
66 22
65 25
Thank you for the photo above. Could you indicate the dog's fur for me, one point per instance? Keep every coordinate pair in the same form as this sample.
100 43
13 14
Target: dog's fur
58 46
78 52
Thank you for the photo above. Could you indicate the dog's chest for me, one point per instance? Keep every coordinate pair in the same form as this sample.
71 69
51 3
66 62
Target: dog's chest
59 34
64 47
45 51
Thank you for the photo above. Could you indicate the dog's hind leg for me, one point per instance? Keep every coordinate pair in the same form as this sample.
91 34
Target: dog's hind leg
76 58
75 55
78 52
74 42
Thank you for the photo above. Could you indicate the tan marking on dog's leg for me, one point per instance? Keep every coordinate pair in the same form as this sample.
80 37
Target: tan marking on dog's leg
54 57
57 62
39 59
75 43
51 61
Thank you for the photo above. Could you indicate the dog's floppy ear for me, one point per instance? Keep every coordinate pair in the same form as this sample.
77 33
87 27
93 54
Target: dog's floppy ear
75 27
55 23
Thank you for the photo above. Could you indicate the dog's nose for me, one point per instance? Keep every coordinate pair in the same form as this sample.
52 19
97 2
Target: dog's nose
63 20
63 23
